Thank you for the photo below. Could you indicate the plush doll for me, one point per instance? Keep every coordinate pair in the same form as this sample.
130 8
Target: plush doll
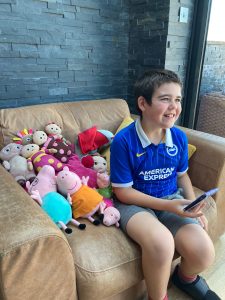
111 216
39 137
37 158
16 164
85 200
92 140
43 190
23 137
63 150
56 141
54 130
99 164
96 162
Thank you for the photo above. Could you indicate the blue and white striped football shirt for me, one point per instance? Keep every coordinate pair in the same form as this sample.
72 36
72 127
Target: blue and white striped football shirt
151 169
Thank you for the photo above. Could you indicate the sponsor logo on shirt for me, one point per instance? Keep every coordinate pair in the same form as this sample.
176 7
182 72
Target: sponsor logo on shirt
157 174
172 151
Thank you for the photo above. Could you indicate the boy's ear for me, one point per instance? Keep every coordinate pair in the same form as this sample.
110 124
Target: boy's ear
141 103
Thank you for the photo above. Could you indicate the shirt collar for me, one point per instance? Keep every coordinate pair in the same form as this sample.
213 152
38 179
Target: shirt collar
145 140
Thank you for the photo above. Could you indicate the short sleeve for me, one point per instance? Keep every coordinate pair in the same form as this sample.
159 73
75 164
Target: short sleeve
120 162
183 163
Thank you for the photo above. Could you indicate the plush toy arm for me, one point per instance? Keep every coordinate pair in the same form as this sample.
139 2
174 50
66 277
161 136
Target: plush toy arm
103 180
69 199
35 195
6 165
51 151
29 164
84 180
67 141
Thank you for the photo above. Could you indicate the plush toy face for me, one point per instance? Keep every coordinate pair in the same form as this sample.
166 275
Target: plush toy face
68 182
100 164
52 128
45 181
24 136
39 137
10 151
28 150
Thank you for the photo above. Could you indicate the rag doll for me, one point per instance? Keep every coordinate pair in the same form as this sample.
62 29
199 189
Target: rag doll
39 137
99 164
57 141
37 158
96 162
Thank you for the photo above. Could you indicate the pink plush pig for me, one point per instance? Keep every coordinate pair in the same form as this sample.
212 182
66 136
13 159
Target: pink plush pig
43 190
45 182
85 200
111 216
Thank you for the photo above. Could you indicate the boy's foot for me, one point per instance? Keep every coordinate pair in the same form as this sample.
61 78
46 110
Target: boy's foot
198 289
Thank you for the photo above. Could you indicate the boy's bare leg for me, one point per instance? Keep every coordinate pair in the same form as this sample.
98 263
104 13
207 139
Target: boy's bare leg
196 249
157 246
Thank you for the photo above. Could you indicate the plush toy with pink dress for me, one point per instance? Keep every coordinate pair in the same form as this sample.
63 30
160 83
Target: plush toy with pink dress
85 200
37 158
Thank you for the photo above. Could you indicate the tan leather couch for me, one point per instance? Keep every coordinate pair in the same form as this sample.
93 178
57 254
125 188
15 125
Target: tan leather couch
37 261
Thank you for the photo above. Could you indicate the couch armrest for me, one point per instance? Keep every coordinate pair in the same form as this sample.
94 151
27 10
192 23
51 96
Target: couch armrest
35 258
207 168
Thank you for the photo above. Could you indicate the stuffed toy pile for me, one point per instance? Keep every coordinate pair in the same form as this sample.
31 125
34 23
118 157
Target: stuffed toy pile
45 164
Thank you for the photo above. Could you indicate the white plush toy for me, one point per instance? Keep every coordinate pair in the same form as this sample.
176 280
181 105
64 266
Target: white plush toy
95 162
16 164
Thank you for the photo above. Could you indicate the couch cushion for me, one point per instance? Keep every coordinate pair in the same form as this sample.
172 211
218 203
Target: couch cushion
104 255
72 117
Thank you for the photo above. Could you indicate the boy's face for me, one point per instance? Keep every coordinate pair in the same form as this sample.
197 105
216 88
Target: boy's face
165 108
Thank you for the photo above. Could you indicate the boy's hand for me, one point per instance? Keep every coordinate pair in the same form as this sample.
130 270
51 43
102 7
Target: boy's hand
177 206
203 222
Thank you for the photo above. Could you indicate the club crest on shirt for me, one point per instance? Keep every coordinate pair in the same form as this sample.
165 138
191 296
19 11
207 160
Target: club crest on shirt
172 151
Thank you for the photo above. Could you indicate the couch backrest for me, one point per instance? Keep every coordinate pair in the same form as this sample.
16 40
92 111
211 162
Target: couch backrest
72 117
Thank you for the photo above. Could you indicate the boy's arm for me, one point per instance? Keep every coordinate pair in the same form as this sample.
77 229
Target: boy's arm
128 195
184 182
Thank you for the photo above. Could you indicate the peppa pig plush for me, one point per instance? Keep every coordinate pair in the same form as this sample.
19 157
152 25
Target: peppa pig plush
43 190
111 216
85 200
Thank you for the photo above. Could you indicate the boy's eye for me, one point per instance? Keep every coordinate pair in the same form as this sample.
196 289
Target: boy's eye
179 100
165 99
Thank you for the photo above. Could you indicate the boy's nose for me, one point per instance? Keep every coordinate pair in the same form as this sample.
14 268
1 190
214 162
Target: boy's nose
173 104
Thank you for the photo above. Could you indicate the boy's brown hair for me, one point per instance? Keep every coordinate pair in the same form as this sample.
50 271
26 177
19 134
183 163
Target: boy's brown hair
146 85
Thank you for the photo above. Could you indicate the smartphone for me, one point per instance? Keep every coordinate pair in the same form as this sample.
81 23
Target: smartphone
200 198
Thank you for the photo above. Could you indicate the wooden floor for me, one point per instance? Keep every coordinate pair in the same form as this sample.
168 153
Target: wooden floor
215 275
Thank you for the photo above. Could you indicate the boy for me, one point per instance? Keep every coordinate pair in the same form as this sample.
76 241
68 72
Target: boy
151 187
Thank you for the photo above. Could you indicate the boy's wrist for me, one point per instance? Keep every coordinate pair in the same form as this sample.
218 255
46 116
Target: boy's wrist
160 204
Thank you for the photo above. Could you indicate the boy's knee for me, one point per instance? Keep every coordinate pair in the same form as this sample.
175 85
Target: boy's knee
202 255
161 247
